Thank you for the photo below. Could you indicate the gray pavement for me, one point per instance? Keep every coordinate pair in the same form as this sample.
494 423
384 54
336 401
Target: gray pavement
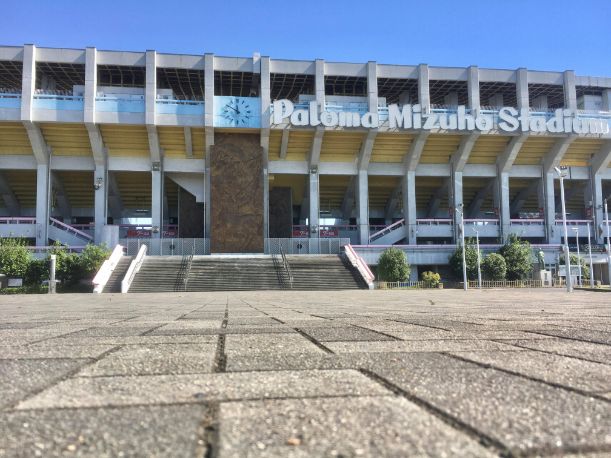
257 374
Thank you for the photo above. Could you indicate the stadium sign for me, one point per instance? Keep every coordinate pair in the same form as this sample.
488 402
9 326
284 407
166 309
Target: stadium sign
508 119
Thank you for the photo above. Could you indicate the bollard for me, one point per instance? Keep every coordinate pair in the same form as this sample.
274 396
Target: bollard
52 282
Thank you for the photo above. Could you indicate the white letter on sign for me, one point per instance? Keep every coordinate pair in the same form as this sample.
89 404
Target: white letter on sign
282 109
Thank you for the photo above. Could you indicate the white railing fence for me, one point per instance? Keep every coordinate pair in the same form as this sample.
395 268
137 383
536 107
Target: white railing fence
305 245
168 247
103 275
134 267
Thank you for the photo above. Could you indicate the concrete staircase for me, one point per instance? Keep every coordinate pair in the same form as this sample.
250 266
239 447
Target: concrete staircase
243 273
114 282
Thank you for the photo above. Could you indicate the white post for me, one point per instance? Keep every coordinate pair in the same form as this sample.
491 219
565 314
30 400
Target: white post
576 229
567 260
52 261
479 261
461 228
590 256
608 242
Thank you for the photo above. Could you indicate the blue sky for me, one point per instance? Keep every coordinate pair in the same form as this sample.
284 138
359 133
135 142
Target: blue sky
537 34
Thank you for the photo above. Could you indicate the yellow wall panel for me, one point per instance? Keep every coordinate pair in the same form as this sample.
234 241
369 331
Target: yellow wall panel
439 149
14 139
390 147
67 139
487 148
125 140
533 150
341 146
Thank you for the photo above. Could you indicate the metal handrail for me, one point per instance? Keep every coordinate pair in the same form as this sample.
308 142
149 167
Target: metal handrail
68 228
106 270
188 268
386 230
134 267
287 267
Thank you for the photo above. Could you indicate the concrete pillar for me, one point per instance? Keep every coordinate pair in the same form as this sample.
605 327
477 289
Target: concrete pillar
157 202
314 200
550 208
424 97
28 81
362 206
522 88
91 83
598 209
100 186
408 191
570 91
457 203
43 188
372 86
150 91
209 129
503 205
265 96
606 101
319 82
473 88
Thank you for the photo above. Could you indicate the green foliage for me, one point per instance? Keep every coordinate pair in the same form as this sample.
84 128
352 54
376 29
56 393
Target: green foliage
517 254
92 258
37 272
585 268
431 279
14 257
494 267
470 258
393 265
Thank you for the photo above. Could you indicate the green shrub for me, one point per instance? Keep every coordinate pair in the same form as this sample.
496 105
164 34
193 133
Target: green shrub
393 265
37 272
494 267
471 260
431 279
517 254
92 258
585 268
14 257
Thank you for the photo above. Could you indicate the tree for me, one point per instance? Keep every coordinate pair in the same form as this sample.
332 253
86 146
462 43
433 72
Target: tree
585 268
494 267
14 257
517 254
470 257
431 279
393 265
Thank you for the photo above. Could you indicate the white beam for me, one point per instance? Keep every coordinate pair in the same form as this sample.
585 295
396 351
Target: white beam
39 146
188 142
507 158
412 158
554 156
314 158
366 149
284 145
602 159
97 144
461 156
154 146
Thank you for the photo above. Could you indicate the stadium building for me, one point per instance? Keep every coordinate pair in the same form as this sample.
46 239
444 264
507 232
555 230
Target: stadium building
242 155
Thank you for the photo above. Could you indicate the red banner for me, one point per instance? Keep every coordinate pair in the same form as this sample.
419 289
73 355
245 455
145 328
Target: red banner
329 233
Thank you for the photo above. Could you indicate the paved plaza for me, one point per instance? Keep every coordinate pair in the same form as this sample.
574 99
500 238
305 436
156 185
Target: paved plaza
364 373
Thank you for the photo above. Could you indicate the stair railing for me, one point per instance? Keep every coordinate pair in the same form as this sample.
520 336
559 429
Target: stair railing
386 230
65 227
188 268
134 267
108 267
360 265
287 267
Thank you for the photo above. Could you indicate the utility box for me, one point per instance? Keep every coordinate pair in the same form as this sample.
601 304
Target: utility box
546 278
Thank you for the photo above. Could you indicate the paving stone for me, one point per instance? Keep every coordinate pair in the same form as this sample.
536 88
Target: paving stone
378 426
43 350
581 334
522 414
170 389
112 331
352 333
167 431
417 346
586 350
268 344
570 372
133 340
155 359
19 378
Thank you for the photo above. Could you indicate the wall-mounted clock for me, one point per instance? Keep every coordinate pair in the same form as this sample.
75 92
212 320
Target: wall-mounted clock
238 112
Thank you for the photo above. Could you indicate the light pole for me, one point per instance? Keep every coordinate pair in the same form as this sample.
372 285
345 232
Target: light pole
562 173
590 256
608 243
479 261
576 230
461 228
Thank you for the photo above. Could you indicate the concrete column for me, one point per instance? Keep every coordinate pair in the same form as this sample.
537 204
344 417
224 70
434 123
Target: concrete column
100 186
150 91
504 205
550 208
408 191
209 129
473 88
209 90
157 201
28 81
265 124
597 204
362 206
606 105
570 92
522 88
372 86
319 82
265 92
314 200
91 83
457 202
43 188
424 97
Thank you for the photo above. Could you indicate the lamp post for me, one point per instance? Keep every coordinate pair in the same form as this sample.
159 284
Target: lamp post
576 230
461 228
562 173
479 261
608 242
590 256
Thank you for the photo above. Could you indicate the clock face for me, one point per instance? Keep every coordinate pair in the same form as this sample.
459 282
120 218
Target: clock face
238 112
